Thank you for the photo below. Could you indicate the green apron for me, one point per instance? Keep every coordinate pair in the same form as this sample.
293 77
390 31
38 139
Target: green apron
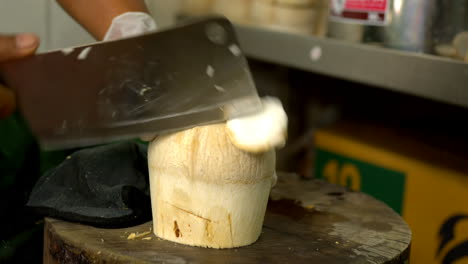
21 164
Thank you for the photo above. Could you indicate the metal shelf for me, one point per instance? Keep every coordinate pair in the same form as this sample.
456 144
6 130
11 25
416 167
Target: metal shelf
422 75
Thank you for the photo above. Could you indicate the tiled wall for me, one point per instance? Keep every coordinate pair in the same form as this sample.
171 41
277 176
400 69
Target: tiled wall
164 10
56 29
24 16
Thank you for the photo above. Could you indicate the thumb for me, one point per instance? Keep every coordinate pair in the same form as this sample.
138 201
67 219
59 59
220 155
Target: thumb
17 46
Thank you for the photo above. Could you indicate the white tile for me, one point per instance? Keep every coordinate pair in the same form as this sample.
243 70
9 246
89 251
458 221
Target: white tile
24 16
64 31
164 11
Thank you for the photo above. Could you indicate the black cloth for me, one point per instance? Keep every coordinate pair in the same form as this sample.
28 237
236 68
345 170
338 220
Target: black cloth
105 186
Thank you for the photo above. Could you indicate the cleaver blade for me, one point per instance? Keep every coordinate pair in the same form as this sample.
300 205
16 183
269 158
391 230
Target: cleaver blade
188 75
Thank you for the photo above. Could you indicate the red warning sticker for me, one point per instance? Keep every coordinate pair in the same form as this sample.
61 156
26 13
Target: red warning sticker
370 12
367 5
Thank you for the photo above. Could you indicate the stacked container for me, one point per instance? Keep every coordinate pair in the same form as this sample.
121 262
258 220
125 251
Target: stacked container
297 16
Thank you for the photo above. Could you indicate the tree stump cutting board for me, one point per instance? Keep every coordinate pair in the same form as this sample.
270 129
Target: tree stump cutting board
306 222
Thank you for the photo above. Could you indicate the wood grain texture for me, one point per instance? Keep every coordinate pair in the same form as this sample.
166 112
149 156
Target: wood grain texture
306 222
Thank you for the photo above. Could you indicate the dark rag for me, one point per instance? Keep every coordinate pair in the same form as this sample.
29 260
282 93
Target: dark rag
105 186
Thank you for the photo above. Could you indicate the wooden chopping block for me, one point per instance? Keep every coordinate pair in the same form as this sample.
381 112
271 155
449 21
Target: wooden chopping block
306 222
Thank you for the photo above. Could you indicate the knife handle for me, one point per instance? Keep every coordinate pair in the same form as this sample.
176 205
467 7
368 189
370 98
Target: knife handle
7 101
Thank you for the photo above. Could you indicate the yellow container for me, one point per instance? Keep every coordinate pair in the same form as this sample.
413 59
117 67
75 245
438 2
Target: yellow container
296 16
427 186
197 7
237 11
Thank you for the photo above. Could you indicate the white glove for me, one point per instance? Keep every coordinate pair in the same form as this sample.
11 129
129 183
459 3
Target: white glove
130 24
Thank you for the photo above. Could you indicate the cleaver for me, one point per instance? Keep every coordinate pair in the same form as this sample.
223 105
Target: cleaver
188 75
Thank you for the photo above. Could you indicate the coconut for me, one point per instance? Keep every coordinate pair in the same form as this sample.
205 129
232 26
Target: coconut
209 185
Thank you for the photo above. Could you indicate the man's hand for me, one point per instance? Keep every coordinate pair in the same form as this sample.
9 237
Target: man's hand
14 47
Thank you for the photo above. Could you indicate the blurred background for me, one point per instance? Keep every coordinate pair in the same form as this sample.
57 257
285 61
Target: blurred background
376 92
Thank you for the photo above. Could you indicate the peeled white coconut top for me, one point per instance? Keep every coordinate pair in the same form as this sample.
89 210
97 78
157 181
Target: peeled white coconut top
261 131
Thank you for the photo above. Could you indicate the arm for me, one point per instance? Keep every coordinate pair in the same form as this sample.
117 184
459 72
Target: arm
96 15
